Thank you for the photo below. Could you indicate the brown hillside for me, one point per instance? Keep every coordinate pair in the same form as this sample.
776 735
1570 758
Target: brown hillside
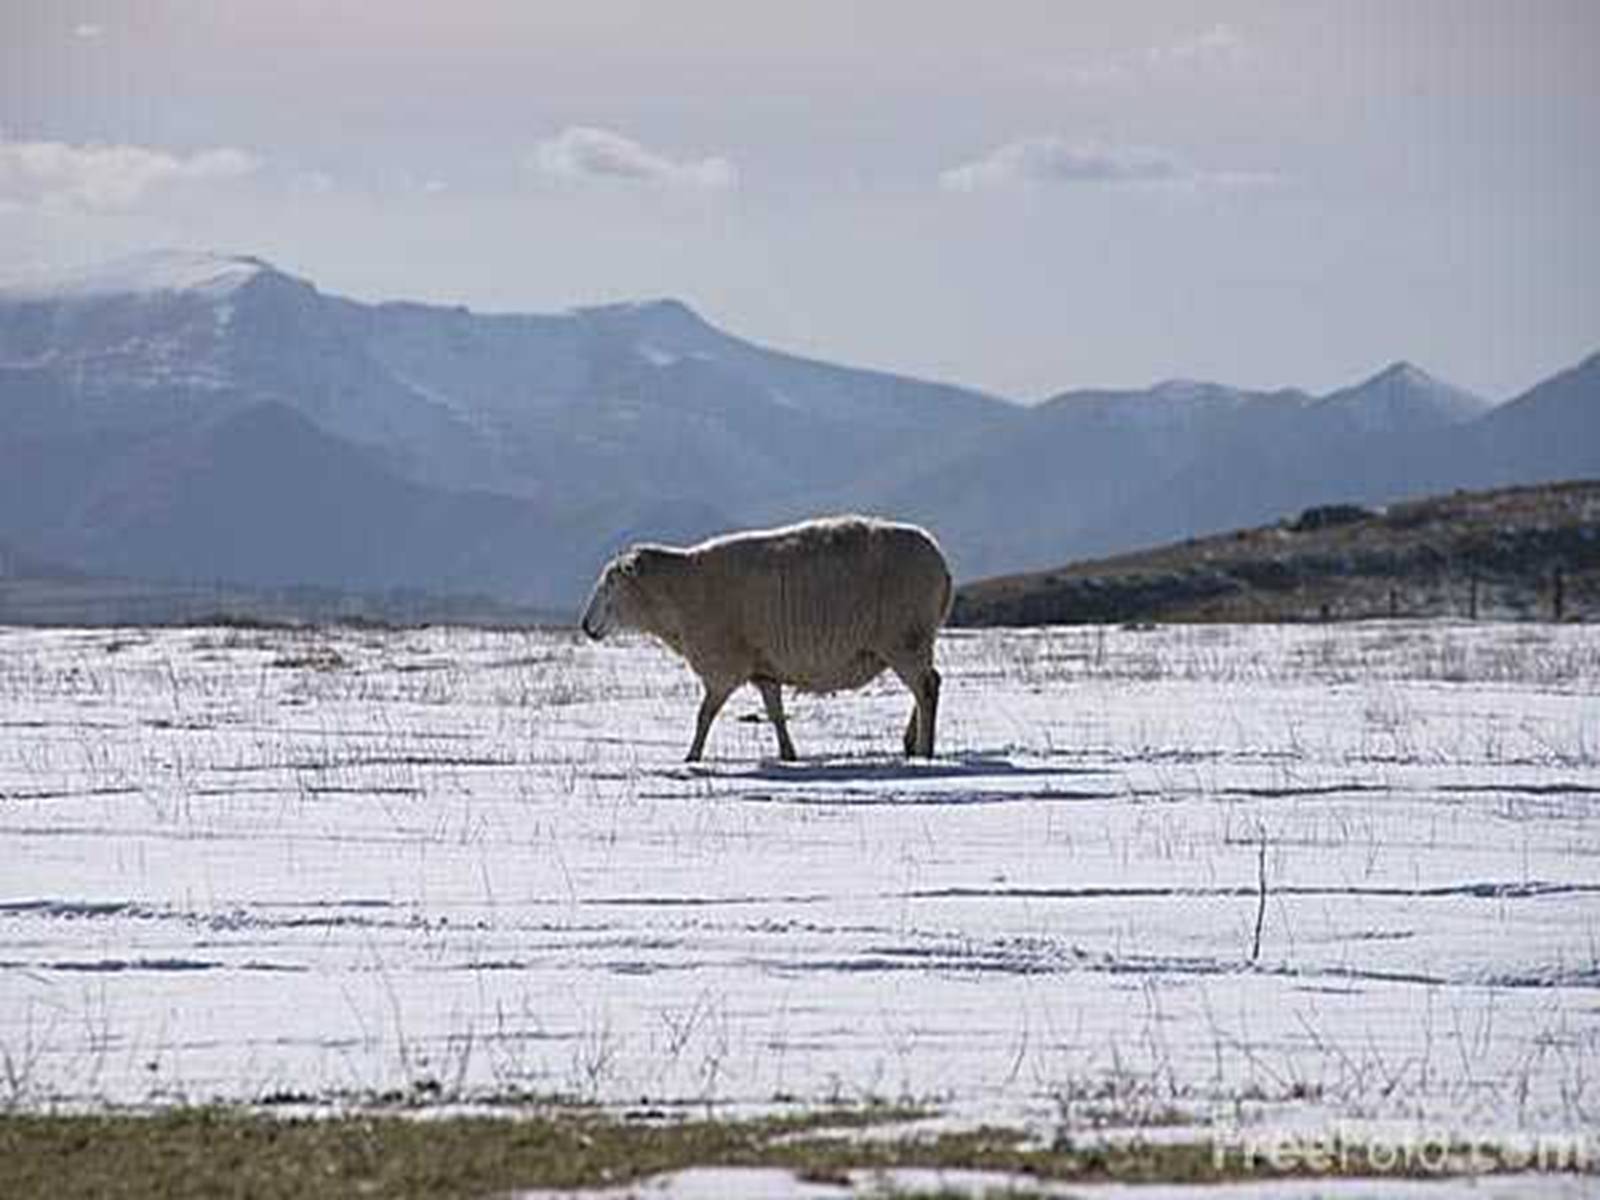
1512 553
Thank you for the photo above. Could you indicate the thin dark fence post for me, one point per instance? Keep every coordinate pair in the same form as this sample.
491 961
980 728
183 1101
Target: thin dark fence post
1558 596
1261 895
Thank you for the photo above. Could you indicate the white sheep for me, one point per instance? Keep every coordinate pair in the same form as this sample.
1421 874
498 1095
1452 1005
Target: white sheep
822 606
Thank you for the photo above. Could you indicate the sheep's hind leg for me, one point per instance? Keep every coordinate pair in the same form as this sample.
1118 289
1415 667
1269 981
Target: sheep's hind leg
710 705
922 680
927 711
772 696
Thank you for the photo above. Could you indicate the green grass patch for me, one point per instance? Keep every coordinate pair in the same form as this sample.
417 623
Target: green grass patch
213 1152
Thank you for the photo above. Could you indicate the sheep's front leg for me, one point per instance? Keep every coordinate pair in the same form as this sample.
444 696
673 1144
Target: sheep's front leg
772 697
710 705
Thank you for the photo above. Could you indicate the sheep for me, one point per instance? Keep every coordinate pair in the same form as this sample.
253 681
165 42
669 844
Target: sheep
823 606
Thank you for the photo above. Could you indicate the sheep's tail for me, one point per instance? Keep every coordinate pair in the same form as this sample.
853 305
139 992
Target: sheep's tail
948 600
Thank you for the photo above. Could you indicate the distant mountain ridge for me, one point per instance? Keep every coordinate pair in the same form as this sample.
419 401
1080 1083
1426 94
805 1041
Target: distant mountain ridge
1401 398
630 420
200 417
645 398
1095 473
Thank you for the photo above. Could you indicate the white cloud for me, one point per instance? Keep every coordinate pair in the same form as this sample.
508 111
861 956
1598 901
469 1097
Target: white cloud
581 152
88 30
311 183
1101 73
106 178
1219 44
1216 51
1052 160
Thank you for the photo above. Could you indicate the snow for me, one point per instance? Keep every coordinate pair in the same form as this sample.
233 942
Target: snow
760 1183
1187 390
712 1183
1403 397
164 346
248 864
153 272
655 356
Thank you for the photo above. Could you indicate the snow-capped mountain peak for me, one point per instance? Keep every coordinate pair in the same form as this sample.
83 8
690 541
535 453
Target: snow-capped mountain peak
670 323
661 308
154 272
1185 389
1402 397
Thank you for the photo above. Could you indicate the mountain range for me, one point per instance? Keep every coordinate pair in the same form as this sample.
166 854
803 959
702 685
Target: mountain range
195 417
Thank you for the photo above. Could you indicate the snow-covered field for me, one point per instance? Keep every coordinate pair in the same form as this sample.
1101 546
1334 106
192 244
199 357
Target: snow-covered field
257 864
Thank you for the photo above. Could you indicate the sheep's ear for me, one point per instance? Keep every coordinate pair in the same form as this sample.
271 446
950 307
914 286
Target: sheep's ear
627 563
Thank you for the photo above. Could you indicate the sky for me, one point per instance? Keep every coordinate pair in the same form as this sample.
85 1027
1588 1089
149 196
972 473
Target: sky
1022 196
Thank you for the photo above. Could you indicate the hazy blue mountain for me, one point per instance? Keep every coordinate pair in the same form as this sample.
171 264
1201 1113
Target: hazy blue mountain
1082 461
1117 471
263 496
206 418
1551 431
1400 399
116 384
634 401
15 564
1394 434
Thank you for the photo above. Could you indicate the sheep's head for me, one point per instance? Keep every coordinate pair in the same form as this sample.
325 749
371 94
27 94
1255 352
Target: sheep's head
616 602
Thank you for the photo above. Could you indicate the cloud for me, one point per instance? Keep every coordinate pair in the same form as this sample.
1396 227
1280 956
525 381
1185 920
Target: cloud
1211 52
584 153
311 183
106 178
1219 44
88 30
1052 160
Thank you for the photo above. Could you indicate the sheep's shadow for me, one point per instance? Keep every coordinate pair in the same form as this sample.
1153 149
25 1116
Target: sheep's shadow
884 767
